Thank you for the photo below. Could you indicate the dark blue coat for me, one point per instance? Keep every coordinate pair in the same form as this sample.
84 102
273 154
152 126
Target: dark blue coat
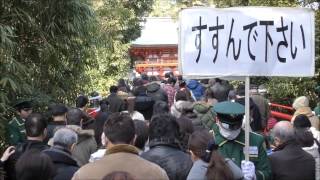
64 164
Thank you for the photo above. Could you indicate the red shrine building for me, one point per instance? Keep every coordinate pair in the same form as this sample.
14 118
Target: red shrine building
155 52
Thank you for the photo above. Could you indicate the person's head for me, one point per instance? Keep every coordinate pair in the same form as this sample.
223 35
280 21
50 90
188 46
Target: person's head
300 102
58 111
121 83
171 80
198 143
74 117
141 131
34 165
241 90
119 129
301 121
36 126
113 89
208 94
23 108
283 132
160 107
304 137
229 118
66 138
82 101
163 126
118 175
185 130
153 78
232 95
181 96
104 105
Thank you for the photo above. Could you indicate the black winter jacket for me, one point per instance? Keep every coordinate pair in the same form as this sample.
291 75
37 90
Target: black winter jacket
156 92
64 163
19 150
175 162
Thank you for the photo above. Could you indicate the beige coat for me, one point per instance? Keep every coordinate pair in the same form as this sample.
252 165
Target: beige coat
121 157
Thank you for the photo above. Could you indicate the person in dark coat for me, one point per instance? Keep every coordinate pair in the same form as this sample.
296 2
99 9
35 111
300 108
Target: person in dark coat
156 92
165 149
57 113
35 126
101 118
60 153
143 103
116 104
256 122
289 161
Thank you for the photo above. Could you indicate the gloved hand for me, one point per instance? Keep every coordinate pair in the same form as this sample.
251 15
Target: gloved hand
248 170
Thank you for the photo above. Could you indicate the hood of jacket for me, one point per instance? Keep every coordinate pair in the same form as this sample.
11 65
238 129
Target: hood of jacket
300 102
153 87
192 84
178 107
59 154
201 108
83 134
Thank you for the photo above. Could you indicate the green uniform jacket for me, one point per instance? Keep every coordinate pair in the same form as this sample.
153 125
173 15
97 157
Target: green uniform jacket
16 132
234 150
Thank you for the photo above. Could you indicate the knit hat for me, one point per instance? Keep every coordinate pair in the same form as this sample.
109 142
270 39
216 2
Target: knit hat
301 101
301 121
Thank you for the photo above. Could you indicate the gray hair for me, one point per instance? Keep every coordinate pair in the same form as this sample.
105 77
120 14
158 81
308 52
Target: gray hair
65 137
284 131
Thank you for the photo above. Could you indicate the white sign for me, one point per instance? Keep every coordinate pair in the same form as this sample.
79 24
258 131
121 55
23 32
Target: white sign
251 41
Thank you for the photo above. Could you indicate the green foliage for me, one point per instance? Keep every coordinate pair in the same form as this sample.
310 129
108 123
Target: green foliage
51 50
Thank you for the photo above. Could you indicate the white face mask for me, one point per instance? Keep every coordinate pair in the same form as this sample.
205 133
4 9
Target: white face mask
229 134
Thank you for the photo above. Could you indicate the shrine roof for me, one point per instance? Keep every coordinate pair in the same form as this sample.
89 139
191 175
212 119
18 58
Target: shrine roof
158 31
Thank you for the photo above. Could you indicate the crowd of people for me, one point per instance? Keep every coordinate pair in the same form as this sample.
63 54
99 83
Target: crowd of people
173 129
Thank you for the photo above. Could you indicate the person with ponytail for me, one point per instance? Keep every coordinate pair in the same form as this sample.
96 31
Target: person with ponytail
207 162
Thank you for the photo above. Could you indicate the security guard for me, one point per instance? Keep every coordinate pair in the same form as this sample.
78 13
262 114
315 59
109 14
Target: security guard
231 141
16 132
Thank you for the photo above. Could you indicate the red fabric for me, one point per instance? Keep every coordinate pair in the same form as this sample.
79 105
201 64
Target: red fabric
171 91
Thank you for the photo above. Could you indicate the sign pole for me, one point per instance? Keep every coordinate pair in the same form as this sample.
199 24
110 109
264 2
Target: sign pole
247 115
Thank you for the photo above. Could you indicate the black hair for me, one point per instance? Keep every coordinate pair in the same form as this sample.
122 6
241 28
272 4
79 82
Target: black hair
74 116
301 121
141 131
81 101
34 165
304 137
104 105
171 80
113 89
163 126
153 78
185 129
198 144
160 107
58 109
35 125
241 90
119 128
181 96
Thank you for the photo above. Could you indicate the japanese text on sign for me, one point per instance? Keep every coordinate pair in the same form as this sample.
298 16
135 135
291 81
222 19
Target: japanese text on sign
247 42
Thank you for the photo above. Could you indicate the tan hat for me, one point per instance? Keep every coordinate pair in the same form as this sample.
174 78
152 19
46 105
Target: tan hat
301 101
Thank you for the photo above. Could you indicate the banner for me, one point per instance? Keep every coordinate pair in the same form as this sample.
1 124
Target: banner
248 41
